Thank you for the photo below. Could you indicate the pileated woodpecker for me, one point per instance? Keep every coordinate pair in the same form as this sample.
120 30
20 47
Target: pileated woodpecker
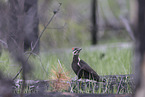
81 68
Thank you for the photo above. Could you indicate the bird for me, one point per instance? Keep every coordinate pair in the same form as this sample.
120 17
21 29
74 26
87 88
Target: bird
81 68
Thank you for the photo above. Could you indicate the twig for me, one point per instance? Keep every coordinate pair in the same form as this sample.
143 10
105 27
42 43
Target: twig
40 61
3 42
55 12
61 67
57 27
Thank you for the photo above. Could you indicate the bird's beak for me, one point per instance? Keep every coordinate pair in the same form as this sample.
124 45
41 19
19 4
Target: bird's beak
80 49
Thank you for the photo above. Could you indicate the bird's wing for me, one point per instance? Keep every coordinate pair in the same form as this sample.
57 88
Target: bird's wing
86 67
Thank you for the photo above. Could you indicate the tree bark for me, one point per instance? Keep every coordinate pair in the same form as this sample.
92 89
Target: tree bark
133 15
15 35
94 29
140 51
31 25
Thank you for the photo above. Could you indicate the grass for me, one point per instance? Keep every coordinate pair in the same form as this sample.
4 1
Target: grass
115 62
46 66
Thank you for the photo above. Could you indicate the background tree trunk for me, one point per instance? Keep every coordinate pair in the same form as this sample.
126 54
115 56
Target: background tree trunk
94 28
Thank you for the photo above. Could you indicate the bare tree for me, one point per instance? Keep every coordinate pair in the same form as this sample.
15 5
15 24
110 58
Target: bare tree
3 25
15 38
133 15
94 29
31 25
140 51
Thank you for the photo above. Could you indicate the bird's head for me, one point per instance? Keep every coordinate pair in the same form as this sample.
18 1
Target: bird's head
76 50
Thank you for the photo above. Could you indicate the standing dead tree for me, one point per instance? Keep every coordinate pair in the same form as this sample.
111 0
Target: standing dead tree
3 24
29 20
5 83
94 28
37 41
133 15
15 36
31 29
140 51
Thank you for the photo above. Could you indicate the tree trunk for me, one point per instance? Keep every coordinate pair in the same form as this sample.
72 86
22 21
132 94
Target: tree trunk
133 15
94 29
31 25
15 34
140 51
23 25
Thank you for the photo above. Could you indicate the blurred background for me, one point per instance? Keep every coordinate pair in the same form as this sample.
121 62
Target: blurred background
72 26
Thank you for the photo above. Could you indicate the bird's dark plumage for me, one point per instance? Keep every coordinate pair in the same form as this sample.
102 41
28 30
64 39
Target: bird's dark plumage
81 68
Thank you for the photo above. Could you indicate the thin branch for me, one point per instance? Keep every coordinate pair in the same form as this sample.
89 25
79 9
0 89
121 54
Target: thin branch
61 67
39 60
57 27
55 12
3 42
128 28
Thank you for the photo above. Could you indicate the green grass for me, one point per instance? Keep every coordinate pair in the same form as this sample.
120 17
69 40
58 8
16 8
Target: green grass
115 61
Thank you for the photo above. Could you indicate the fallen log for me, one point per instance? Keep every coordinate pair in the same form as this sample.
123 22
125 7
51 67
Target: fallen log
110 84
64 94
